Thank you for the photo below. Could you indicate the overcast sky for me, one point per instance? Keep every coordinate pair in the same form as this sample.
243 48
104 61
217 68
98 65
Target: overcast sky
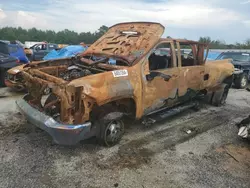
228 20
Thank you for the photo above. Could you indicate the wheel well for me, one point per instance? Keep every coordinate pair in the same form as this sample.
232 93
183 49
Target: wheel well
126 105
229 80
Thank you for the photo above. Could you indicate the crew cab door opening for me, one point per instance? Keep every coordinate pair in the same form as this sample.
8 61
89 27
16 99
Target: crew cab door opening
192 69
161 78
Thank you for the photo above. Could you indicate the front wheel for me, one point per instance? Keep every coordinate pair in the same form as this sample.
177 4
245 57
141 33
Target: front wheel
110 127
241 81
112 132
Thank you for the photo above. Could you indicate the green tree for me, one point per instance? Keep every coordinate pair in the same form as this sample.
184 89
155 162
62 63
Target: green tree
247 43
65 36
206 40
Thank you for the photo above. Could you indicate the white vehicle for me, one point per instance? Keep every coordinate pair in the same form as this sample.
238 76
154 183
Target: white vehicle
28 44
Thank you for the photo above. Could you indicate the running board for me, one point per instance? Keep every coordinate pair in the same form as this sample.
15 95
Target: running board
159 116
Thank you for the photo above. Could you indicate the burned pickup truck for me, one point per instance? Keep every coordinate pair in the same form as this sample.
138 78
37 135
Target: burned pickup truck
123 74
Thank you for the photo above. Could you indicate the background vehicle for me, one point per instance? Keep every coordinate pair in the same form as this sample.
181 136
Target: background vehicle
6 61
17 51
18 43
241 62
28 44
5 41
91 97
38 51
14 79
68 51
212 55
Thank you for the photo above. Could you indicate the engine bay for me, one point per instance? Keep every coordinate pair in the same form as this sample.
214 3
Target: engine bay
74 72
74 68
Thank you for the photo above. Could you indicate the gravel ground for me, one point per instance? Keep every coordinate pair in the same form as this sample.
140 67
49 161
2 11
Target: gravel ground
162 155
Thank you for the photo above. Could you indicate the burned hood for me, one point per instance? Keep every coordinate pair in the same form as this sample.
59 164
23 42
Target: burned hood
129 41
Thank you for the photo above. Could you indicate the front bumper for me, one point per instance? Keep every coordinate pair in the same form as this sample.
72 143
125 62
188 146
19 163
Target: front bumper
15 85
62 134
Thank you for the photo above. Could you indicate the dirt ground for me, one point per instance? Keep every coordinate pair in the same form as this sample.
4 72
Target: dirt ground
162 155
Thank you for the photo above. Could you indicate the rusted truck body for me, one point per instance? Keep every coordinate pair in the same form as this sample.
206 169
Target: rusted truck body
90 96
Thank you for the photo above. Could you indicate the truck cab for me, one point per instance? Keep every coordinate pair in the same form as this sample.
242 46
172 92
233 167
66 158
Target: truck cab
41 50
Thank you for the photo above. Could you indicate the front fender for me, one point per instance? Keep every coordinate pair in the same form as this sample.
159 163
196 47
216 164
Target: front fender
104 88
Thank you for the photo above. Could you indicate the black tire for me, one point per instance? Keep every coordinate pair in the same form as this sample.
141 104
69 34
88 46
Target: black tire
219 97
110 127
2 77
241 81
197 107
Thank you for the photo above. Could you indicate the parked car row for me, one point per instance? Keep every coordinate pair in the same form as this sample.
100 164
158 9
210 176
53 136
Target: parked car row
15 54
11 55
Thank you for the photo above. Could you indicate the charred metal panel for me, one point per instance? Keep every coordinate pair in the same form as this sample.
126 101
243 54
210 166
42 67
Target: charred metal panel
191 77
158 89
128 40
121 88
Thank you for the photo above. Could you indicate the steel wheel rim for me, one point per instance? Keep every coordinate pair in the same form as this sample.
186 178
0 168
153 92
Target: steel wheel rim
114 132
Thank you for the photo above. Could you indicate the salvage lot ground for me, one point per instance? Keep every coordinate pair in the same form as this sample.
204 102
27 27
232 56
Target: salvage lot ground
163 155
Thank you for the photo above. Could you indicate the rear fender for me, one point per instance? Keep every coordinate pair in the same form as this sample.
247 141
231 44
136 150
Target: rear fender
229 80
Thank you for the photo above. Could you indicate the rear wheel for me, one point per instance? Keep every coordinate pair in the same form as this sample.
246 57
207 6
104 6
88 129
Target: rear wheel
241 81
219 97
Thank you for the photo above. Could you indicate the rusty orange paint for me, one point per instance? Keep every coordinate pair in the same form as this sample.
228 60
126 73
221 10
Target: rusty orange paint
131 44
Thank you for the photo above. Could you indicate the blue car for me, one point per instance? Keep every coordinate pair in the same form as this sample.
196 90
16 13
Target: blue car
17 51
68 51
7 61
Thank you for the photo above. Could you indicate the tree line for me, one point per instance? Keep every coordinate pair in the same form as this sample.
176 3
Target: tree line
220 44
71 37
61 37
